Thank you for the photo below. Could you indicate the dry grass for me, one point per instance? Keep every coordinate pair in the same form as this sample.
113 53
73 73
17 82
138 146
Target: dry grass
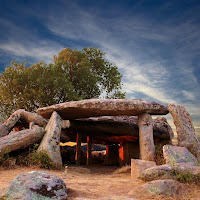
122 170
96 182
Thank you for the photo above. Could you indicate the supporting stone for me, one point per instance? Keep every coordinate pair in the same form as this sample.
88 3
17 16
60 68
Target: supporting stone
50 144
112 155
78 149
89 150
147 148
127 151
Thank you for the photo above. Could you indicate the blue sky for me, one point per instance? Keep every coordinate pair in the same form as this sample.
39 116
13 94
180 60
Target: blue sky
154 43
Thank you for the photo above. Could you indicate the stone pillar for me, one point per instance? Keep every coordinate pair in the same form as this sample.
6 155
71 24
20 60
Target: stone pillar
147 148
112 155
89 150
78 149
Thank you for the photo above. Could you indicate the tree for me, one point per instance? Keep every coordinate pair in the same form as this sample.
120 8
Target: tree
73 75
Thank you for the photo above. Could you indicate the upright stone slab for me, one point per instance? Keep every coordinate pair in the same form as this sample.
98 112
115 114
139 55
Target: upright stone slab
147 148
185 130
50 144
138 166
176 154
3 130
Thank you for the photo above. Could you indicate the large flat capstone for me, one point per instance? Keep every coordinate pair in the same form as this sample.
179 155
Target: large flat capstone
99 107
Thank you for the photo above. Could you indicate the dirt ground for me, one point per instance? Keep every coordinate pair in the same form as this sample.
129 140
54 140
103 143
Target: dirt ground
95 182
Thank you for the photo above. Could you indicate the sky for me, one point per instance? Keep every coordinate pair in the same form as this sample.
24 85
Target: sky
154 43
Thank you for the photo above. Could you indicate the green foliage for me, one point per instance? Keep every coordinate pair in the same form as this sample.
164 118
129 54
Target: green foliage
4 156
74 75
185 176
39 159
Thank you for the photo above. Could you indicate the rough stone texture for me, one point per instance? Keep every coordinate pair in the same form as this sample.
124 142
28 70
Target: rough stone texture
158 172
35 185
138 166
12 120
185 130
21 139
147 148
161 187
166 171
50 144
3 130
122 125
162 129
100 107
176 154
26 116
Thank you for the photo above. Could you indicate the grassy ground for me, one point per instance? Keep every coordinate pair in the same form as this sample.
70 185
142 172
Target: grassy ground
96 182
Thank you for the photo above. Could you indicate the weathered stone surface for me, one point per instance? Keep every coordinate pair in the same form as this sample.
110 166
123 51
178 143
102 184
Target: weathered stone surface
162 129
161 187
27 116
100 107
167 171
36 185
155 173
147 148
122 125
21 139
185 130
3 130
50 144
138 166
12 120
176 154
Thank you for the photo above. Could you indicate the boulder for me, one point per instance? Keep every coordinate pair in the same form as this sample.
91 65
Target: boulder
21 139
138 166
157 172
176 154
3 130
35 185
169 172
50 144
185 130
99 107
147 148
167 187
